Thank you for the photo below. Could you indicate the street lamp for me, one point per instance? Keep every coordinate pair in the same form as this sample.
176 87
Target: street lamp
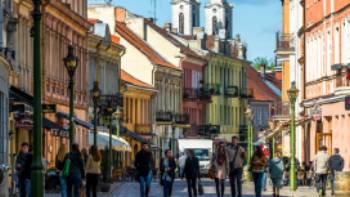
37 188
118 115
292 94
71 64
109 112
95 94
249 116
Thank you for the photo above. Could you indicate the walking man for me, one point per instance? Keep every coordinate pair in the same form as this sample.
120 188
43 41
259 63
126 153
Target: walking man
144 165
335 164
236 155
23 168
321 168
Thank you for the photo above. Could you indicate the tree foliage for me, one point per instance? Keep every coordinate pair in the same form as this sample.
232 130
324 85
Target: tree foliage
270 63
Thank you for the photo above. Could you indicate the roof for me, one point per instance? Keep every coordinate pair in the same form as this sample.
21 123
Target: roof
127 77
115 39
142 46
275 78
184 49
261 91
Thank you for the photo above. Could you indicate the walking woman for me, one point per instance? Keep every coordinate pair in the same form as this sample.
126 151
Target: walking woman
220 164
257 166
62 151
76 171
167 173
276 167
93 171
191 172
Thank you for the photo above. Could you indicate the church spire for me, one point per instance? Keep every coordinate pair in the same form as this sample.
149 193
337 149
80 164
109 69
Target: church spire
185 15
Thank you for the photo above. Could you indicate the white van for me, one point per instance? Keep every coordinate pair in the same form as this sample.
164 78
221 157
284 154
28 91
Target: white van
202 148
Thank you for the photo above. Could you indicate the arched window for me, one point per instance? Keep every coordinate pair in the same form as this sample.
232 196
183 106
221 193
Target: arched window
181 23
215 25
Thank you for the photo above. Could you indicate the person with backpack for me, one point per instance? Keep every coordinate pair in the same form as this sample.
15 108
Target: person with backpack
237 156
93 171
167 173
74 171
62 151
335 164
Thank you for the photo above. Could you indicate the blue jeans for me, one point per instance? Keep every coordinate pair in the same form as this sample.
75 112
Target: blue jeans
73 183
258 182
264 180
167 188
145 184
331 180
63 186
321 183
24 187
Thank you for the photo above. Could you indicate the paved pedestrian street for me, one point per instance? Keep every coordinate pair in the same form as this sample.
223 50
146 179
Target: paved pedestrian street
131 189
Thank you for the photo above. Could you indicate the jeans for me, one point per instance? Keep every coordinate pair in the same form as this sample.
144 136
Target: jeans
91 184
220 187
236 182
167 188
24 187
73 186
258 182
321 182
63 186
145 184
331 180
264 181
192 186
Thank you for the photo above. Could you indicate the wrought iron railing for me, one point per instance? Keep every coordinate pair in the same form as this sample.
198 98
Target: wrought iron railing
284 42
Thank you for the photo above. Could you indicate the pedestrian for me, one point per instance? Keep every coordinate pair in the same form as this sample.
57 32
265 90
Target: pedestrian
62 151
220 164
144 165
85 154
182 160
265 175
93 171
76 173
321 169
191 172
237 156
335 164
23 168
276 168
167 173
258 165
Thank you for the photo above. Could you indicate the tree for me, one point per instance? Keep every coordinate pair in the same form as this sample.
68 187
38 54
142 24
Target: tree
270 63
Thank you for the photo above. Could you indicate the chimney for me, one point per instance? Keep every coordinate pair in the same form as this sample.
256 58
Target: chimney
262 70
167 27
120 14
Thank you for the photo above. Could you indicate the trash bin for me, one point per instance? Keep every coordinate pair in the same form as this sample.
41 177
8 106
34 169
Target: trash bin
342 184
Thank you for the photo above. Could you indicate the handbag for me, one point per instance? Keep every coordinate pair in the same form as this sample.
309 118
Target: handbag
66 167
200 187
211 172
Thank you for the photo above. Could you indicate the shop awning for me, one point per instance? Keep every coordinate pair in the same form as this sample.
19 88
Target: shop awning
133 135
20 96
118 143
48 124
76 120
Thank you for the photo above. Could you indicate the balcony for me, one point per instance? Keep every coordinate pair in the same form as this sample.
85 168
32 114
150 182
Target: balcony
162 116
284 44
181 119
213 89
231 91
193 94
282 114
208 130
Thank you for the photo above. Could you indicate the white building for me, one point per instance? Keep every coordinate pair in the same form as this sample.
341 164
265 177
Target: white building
185 15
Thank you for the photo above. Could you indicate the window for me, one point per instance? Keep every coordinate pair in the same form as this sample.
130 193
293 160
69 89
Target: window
215 25
181 23
329 51
336 46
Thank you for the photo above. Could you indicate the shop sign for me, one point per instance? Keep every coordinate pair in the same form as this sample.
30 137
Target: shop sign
24 124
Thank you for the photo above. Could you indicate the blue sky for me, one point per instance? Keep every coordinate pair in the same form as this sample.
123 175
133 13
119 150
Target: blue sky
256 20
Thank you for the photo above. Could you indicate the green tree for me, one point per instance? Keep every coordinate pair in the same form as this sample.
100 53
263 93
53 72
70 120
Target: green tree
270 63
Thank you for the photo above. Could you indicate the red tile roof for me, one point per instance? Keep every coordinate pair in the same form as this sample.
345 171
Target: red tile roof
142 46
261 91
275 78
127 77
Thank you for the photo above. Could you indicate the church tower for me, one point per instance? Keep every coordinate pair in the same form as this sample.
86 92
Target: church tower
218 18
185 15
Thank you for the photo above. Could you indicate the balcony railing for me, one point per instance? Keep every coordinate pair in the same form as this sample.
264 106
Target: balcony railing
231 91
282 113
196 94
181 118
162 116
284 42
213 89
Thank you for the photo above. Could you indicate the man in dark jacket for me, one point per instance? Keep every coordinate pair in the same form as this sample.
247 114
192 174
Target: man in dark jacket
23 168
167 172
192 173
335 163
144 165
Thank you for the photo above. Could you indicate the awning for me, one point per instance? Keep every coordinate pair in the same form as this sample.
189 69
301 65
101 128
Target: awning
76 120
133 135
118 143
48 124
19 95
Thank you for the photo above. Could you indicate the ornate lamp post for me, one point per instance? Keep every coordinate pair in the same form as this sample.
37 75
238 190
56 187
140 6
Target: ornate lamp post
292 94
71 64
249 116
95 94
118 115
109 111
37 188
